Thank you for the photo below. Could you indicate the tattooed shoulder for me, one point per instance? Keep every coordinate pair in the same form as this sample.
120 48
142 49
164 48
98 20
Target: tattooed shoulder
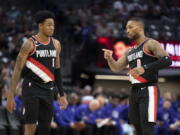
26 48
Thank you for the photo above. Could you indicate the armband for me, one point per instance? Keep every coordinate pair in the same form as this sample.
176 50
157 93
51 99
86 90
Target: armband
161 63
58 81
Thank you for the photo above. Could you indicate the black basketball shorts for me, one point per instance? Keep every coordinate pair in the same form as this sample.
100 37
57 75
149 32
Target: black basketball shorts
37 106
143 103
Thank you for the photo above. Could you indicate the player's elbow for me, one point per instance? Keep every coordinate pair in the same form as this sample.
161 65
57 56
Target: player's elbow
168 61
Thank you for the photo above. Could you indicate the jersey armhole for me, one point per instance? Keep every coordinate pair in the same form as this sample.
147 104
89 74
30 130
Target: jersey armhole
34 47
147 52
127 51
54 43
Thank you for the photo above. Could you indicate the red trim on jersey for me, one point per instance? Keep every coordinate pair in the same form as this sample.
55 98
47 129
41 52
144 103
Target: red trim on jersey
141 79
155 103
42 67
44 43
147 52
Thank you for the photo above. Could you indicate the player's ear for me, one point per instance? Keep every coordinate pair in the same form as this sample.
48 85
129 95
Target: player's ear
40 25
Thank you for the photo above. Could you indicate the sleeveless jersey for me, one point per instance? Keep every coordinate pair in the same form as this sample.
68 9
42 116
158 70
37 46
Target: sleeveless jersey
137 56
40 65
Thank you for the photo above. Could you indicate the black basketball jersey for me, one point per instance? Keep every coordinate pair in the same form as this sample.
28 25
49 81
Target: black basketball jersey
40 65
137 56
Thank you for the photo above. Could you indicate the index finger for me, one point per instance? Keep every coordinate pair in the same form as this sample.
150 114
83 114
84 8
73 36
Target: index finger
105 50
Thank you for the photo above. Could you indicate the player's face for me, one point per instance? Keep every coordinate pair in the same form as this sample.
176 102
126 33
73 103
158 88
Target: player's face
48 27
132 30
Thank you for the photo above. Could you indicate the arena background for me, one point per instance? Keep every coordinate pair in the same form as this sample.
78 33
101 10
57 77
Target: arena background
84 27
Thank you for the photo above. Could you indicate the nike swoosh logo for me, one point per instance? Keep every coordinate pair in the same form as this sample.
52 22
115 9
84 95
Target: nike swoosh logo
143 88
37 44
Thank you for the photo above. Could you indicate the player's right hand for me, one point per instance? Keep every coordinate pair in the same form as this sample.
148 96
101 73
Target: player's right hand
10 104
107 54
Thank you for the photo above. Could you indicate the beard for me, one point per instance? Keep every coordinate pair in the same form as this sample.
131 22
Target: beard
135 36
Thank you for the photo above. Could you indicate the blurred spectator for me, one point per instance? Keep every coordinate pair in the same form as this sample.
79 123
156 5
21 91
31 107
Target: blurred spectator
165 118
87 95
79 25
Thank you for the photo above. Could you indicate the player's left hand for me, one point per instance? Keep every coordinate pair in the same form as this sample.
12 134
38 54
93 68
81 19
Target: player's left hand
63 102
136 72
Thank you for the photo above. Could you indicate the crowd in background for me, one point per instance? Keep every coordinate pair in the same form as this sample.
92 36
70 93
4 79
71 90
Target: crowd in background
77 27
98 18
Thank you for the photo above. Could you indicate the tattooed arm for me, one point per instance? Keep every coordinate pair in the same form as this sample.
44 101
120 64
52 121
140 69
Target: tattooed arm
115 66
25 50
155 48
163 59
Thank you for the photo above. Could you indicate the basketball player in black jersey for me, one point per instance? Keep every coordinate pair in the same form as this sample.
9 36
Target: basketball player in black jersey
144 60
40 58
